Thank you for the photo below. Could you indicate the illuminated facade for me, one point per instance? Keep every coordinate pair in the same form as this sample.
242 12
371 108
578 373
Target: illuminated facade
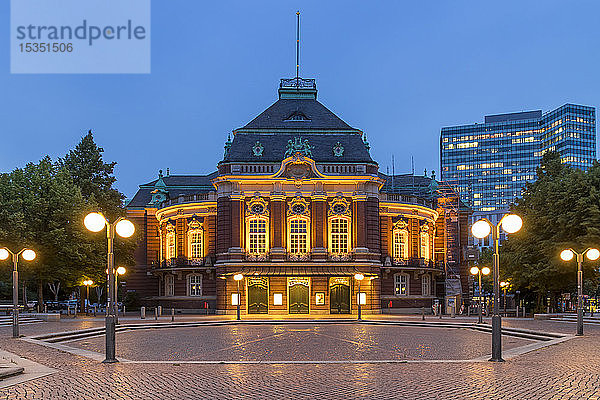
298 207
489 164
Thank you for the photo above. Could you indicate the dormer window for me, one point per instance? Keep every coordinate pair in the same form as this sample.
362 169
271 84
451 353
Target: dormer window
297 116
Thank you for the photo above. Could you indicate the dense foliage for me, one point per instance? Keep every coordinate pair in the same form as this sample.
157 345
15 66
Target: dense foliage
561 209
42 207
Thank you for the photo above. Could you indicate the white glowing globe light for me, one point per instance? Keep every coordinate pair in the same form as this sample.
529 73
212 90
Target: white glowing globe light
4 254
566 255
125 228
28 255
474 270
359 277
238 277
512 223
94 222
593 254
121 270
485 271
481 229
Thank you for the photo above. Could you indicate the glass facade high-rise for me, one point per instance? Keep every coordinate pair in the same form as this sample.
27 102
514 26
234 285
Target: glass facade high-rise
490 163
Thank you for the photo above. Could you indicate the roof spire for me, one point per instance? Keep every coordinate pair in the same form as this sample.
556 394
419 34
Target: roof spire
297 44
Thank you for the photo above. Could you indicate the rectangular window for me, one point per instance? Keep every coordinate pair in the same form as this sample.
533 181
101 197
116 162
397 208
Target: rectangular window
258 236
195 285
298 236
426 285
169 285
401 285
339 235
425 246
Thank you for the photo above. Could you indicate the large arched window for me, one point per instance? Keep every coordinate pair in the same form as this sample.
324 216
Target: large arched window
425 245
339 235
195 240
257 238
298 235
170 243
400 241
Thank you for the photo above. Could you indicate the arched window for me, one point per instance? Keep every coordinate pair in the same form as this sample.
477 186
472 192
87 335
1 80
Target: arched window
426 285
194 285
425 245
339 235
401 284
195 240
170 243
169 285
257 236
298 235
400 237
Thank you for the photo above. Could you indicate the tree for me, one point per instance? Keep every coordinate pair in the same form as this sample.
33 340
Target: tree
561 209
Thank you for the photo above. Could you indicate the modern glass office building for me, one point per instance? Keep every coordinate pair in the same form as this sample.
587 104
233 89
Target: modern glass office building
490 163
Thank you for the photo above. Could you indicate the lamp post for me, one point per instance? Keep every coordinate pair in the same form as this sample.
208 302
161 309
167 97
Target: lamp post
95 222
567 255
359 278
119 271
504 286
477 271
87 284
28 255
511 223
238 278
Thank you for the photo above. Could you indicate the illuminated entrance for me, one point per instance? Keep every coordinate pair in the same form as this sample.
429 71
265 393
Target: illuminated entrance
339 295
298 295
258 295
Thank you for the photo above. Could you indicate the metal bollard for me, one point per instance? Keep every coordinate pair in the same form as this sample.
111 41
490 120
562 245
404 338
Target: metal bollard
143 312
155 313
159 311
453 312
422 313
94 311
123 309
517 312
440 310
172 315
45 308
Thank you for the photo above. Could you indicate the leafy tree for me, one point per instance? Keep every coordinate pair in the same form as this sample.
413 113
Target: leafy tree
561 209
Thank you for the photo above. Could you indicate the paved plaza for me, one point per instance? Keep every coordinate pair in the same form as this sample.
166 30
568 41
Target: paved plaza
308 360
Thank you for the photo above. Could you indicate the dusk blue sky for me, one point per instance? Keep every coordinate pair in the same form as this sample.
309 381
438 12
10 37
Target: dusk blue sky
399 70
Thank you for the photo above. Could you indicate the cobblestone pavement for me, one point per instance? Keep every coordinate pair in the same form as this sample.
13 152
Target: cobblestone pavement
570 370
300 342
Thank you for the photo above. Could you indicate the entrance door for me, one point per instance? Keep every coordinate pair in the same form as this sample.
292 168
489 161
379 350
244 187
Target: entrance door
258 296
298 294
339 295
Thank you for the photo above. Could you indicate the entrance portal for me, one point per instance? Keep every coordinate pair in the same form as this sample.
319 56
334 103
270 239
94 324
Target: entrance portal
298 294
339 295
258 295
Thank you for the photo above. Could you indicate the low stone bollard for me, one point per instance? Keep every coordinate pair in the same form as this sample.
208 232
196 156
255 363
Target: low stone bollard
422 313
172 315
94 311
453 312
159 311
143 312
155 313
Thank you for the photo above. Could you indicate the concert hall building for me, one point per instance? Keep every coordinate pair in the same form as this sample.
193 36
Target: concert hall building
299 209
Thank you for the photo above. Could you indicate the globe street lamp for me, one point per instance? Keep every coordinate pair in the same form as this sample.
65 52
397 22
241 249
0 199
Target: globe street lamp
567 255
87 283
477 271
359 278
95 222
28 255
510 223
238 278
